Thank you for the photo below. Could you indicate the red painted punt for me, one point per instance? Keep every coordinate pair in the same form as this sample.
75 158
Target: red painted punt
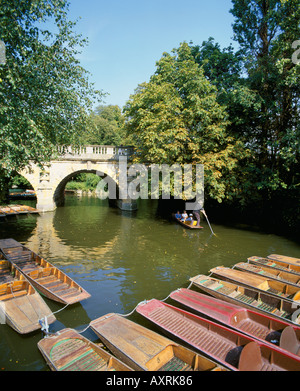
235 350
265 328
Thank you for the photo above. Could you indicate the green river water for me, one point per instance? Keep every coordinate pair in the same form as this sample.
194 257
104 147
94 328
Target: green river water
121 259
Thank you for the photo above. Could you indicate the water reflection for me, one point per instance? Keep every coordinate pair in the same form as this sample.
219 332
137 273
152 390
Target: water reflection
121 259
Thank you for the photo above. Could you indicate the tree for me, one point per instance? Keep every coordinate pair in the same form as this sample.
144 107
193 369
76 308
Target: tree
265 30
45 95
175 118
107 126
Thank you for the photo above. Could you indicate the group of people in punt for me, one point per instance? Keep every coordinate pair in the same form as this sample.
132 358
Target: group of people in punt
184 217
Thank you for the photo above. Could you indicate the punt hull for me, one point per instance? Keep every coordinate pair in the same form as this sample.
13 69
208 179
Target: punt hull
218 342
285 259
67 350
48 280
249 298
186 225
21 307
270 286
280 276
260 326
277 265
145 350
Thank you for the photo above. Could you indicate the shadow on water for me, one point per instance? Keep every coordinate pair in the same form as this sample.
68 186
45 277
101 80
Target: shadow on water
121 259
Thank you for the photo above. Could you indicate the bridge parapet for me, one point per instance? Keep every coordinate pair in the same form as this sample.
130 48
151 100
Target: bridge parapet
94 152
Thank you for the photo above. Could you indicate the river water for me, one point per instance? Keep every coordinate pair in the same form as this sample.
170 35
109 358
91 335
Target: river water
121 259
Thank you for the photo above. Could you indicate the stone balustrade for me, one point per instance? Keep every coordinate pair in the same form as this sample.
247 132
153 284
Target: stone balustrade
94 152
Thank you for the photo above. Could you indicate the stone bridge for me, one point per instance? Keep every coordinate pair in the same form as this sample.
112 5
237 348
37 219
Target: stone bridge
49 183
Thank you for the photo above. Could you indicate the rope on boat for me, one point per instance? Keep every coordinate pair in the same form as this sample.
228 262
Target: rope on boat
146 301
44 321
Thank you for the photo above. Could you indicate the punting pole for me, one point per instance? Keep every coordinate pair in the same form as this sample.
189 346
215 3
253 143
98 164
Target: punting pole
203 211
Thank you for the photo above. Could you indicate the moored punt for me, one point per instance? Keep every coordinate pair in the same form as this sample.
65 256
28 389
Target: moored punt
21 307
257 325
247 297
285 259
218 342
287 278
7 210
67 350
277 265
270 286
12 210
144 350
45 277
23 209
188 224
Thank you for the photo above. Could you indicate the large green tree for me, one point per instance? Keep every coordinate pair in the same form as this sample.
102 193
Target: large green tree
107 126
266 30
45 95
175 118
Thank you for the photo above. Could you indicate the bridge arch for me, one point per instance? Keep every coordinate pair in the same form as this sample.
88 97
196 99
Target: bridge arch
49 181
59 192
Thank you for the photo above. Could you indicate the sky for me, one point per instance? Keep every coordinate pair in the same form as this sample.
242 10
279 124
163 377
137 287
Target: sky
127 37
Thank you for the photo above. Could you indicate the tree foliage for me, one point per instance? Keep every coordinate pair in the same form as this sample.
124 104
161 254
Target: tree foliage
107 126
175 118
45 94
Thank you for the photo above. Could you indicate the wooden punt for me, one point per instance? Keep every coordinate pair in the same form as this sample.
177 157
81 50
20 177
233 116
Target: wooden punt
45 277
7 210
23 209
277 265
285 259
276 275
249 298
267 285
144 350
218 342
263 327
187 224
67 350
21 307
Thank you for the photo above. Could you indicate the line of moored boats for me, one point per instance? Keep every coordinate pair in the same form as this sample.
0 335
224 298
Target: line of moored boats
248 318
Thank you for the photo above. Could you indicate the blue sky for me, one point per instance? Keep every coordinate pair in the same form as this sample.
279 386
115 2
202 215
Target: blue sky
127 37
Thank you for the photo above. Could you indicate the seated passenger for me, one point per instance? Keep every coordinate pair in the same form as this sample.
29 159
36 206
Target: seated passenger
184 216
178 215
190 220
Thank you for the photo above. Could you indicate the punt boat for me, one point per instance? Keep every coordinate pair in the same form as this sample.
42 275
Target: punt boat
67 350
187 224
270 286
217 341
248 297
45 277
145 350
287 278
277 265
21 307
285 259
263 327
